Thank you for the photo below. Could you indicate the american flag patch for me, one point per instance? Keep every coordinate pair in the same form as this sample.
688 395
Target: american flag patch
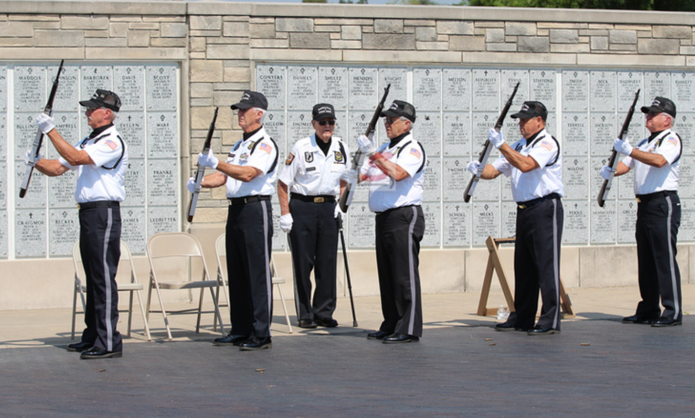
415 152
672 141
267 148
111 144
547 145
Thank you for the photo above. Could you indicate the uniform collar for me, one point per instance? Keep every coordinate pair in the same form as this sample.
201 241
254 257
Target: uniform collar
252 133
99 130
398 139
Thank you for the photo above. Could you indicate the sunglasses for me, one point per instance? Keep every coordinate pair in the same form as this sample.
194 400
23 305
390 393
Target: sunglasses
324 122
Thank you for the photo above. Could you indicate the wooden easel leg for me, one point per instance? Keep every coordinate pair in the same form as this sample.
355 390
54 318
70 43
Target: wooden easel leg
565 303
485 293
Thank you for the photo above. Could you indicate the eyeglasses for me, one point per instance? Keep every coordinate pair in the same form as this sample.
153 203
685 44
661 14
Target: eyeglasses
326 121
391 121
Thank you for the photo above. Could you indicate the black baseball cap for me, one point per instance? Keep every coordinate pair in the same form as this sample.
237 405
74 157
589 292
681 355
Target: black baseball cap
323 111
400 108
103 98
661 104
251 99
531 110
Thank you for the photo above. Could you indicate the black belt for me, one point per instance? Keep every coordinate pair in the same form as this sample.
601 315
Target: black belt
98 203
392 209
647 197
246 199
534 202
313 199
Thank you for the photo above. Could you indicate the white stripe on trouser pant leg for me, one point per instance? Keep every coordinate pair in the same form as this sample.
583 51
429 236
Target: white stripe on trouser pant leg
268 278
556 267
411 265
107 282
672 267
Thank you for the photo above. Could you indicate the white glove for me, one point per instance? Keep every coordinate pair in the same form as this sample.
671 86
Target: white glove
475 168
45 122
208 160
286 223
191 185
495 138
337 213
349 176
366 145
622 147
605 172
30 161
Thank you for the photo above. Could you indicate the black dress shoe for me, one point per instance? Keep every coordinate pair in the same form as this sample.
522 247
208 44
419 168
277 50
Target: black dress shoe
97 353
505 326
665 322
255 343
306 323
376 335
543 331
328 323
634 319
80 347
230 340
400 338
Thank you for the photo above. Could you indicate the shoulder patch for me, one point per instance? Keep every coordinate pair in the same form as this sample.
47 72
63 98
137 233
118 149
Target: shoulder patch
338 157
111 144
414 151
265 147
289 159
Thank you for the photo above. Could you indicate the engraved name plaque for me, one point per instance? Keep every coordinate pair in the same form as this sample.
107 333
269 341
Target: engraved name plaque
4 239
129 85
456 86
455 178
64 231
603 91
95 77
575 91
398 79
333 87
457 225
67 96
627 217
575 138
135 182
131 126
134 228
485 216
486 90
270 80
162 135
433 221
543 88
161 174
361 226
427 93
162 219
30 233
457 134
604 224
161 87
302 88
362 85
61 190
575 177
432 180
575 229
29 88
428 131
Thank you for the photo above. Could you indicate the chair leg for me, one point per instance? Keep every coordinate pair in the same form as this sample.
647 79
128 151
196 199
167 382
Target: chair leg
216 298
161 305
74 310
284 306
200 309
217 311
130 312
142 310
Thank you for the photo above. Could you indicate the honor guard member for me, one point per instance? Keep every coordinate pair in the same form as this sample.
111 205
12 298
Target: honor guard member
100 160
312 173
395 172
535 165
249 174
656 161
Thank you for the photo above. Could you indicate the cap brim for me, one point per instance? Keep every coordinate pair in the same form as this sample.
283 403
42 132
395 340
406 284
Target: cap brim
90 104
647 109
389 113
241 106
521 115
322 117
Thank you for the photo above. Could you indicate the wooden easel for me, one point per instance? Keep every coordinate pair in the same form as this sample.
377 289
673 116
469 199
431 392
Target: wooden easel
495 264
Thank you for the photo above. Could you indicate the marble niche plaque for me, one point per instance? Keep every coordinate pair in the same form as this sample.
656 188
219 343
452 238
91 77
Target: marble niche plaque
361 192
364 94
543 88
482 122
575 91
457 225
575 229
628 84
427 89
398 79
25 131
656 83
508 80
162 219
68 124
93 77
301 88
129 85
333 87
361 226
274 124
162 182
3 134
3 185
433 222
135 183
456 89
270 80
455 178
686 176
604 223
67 95
683 90
456 131
61 190
36 193
29 88
686 232
624 186
685 127
627 219
604 129
432 180
603 91
508 219
575 138
64 231
357 125
279 237
575 177
485 217
488 190
427 130
133 228
299 126
486 90
30 233
161 87
340 126
3 88
162 135
4 240
131 126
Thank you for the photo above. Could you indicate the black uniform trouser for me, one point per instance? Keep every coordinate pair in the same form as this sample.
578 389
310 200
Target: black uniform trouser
537 264
249 245
658 220
314 239
100 247
398 235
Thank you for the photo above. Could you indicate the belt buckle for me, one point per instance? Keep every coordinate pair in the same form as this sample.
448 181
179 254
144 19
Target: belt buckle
318 200
638 200
230 201
78 206
522 206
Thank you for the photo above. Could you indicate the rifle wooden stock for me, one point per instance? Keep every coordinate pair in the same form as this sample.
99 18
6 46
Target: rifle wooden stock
38 140
201 170
487 147
613 159
346 197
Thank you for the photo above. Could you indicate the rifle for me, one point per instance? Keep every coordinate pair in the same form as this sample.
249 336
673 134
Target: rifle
487 148
339 220
38 140
346 197
201 170
613 159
